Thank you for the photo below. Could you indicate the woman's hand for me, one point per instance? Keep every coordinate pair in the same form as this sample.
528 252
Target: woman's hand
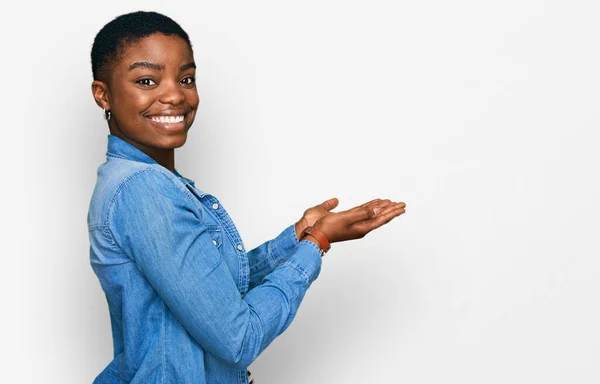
374 213
311 215
355 223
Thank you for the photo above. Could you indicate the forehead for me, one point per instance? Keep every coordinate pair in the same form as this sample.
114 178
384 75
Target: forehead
157 48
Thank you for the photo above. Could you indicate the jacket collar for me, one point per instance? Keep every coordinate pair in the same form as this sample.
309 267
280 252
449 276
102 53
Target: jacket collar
119 148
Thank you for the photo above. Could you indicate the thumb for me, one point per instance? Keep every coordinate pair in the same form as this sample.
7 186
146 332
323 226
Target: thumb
330 204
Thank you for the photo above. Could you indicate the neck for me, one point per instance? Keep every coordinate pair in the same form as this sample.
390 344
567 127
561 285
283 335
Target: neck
163 156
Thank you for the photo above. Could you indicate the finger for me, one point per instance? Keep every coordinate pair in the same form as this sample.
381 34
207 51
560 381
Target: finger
367 226
371 209
358 214
377 205
391 207
329 204
381 206
369 202
384 213
386 217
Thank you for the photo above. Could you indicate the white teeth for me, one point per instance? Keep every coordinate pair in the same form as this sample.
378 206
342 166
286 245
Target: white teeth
167 119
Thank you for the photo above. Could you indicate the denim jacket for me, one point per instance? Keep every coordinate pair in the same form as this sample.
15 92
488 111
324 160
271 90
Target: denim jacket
187 302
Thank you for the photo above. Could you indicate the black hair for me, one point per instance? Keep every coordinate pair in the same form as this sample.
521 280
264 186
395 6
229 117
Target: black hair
125 29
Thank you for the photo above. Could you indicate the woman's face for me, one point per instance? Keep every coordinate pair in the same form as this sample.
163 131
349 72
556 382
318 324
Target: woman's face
152 93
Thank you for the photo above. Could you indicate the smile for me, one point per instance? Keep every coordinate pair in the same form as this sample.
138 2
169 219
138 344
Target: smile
169 123
167 119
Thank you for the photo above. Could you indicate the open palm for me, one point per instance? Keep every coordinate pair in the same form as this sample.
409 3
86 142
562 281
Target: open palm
311 215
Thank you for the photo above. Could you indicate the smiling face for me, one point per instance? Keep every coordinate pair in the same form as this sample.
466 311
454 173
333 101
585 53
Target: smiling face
151 93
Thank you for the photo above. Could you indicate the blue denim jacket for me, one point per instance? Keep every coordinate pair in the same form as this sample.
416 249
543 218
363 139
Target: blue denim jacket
187 303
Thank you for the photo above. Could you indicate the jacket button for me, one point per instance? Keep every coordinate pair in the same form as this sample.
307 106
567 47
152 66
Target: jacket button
215 242
215 206
239 247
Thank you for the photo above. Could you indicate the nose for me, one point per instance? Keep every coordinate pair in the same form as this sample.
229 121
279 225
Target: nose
172 94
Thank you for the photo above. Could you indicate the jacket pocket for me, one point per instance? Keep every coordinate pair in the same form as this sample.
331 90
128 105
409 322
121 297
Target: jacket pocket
215 233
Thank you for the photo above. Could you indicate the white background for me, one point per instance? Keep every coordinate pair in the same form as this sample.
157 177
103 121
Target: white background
481 115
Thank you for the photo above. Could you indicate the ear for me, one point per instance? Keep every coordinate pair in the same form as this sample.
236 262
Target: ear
100 93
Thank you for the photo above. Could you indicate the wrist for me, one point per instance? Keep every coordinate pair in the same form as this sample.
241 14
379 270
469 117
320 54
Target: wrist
316 236
300 225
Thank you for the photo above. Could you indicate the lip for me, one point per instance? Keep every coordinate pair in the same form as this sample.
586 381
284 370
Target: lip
170 112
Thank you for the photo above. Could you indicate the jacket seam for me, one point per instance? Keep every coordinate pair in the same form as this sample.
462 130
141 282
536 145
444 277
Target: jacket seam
96 227
107 236
278 255
110 154
298 268
164 343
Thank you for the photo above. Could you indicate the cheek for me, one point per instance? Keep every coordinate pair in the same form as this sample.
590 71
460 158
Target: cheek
134 101
142 100
192 98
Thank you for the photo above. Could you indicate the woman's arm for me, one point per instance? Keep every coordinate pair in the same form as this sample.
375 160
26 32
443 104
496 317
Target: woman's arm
269 255
156 223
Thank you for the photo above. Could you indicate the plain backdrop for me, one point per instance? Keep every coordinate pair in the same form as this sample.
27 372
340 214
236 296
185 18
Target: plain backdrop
481 115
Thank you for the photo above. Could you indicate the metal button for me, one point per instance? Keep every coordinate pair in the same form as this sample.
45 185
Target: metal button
239 247
215 206
215 242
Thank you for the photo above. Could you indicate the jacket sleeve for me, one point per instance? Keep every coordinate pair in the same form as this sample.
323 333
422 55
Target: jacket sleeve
156 223
269 255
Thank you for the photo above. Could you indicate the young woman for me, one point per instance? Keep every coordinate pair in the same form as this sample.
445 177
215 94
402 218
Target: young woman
188 303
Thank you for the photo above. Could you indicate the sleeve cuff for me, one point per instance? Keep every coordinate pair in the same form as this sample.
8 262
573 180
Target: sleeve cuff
283 244
307 260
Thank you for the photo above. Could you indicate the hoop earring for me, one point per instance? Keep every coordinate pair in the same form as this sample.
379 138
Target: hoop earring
107 114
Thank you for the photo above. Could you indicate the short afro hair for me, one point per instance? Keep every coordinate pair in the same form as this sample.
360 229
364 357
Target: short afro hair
126 29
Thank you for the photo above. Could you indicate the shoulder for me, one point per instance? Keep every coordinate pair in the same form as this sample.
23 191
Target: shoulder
118 174
149 188
150 180
132 188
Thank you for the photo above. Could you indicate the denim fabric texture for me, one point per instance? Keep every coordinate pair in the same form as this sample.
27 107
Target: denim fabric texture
187 303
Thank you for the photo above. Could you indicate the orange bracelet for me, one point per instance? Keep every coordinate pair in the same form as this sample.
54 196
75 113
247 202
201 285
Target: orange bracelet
320 236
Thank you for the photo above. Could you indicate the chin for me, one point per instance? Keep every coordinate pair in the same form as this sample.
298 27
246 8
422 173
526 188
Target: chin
173 141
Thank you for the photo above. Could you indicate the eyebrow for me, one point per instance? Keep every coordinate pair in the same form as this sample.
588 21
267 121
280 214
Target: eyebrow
188 65
158 67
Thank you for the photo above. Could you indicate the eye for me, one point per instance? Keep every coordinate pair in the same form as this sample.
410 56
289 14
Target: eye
146 82
188 80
